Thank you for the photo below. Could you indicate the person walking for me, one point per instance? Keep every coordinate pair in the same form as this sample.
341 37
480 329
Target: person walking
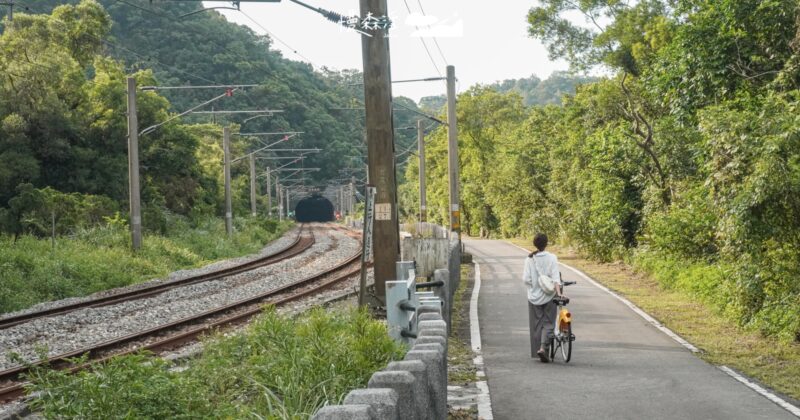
543 280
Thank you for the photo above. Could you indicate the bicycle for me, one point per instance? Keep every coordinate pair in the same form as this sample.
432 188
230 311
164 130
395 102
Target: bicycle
562 337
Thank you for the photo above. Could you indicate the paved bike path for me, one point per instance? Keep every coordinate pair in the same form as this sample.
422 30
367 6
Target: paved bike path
622 367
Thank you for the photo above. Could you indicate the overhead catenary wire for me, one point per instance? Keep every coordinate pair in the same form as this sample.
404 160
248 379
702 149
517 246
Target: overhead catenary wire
424 44
436 42
272 35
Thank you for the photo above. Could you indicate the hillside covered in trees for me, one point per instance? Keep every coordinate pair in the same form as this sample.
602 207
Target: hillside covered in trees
534 91
685 160
63 106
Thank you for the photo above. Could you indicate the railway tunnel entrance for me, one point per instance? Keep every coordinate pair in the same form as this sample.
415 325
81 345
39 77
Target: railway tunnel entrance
315 208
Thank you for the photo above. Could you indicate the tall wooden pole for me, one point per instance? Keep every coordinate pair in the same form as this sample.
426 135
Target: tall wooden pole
133 167
423 201
452 148
226 148
252 184
380 145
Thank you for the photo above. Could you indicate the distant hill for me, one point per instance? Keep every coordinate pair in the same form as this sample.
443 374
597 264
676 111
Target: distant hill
535 91
204 48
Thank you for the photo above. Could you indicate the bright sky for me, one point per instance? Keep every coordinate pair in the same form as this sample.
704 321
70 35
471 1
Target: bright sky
485 41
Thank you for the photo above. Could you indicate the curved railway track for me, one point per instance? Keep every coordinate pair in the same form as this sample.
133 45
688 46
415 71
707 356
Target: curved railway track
300 244
177 333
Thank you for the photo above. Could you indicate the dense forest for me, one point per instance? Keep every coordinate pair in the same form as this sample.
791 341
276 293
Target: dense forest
685 160
534 91
63 128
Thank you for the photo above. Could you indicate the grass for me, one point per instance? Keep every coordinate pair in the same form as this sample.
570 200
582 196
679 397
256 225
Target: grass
31 271
460 369
279 368
773 362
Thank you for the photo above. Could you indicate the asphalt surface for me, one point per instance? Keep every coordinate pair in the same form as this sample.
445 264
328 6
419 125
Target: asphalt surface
622 367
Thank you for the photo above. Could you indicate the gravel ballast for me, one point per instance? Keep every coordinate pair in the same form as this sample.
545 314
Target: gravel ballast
82 328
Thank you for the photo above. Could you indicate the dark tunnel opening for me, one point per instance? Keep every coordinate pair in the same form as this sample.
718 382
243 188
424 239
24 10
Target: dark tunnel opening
314 209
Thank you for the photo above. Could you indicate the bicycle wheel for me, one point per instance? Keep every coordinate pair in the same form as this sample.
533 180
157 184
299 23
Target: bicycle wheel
566 345
552 351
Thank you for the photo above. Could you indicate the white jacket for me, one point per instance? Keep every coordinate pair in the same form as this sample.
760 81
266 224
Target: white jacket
545 263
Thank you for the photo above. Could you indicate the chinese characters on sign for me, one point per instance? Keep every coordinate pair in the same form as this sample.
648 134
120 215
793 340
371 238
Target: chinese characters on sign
370 22
383 211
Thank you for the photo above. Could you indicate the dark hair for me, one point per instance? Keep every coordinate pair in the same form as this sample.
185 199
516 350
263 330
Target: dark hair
540 242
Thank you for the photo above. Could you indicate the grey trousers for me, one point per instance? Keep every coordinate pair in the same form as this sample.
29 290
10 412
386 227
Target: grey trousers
541 320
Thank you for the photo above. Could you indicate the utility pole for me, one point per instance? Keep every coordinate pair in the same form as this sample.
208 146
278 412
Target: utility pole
423 203
380 145
269 194
452 155
133 167
288 203
226 147
279 195
352 195
252 184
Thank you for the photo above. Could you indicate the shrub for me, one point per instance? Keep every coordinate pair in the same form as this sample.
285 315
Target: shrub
280 367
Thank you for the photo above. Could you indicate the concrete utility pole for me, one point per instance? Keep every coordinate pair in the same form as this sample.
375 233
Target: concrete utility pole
252 185
380 145
279 195
423 203
133 167
452 155
288 203
269 194
226 147
351 204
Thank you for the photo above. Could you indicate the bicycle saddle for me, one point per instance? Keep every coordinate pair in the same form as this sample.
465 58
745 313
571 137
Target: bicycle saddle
561 301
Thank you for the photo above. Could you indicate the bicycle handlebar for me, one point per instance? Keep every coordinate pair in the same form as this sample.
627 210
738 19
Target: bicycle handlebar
570 283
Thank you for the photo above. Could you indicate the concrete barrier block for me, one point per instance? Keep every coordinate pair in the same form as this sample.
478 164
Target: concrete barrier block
345 412
433 324
424 309
433 340
430 316
444 294
402 382
422 396
437 378
434 332
382 400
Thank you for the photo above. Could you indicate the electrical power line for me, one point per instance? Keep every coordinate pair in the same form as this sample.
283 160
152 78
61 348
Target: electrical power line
424 45
275 37
419 2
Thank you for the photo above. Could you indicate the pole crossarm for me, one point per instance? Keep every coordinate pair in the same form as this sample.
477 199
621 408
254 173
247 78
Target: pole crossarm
291 150
265 147
261 111
196 87
289 169
280 157
269 134
189 111
426 79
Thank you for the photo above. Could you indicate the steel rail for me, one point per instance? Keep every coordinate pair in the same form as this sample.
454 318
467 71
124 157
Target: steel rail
299 245
16 387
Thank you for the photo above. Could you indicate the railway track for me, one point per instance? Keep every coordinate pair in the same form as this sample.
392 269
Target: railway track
299 245
180 332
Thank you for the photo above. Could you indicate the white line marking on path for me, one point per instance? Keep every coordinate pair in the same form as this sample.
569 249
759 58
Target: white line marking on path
484 400
747 382
758 388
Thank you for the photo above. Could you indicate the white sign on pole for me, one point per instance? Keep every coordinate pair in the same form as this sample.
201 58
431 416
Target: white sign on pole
383 211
